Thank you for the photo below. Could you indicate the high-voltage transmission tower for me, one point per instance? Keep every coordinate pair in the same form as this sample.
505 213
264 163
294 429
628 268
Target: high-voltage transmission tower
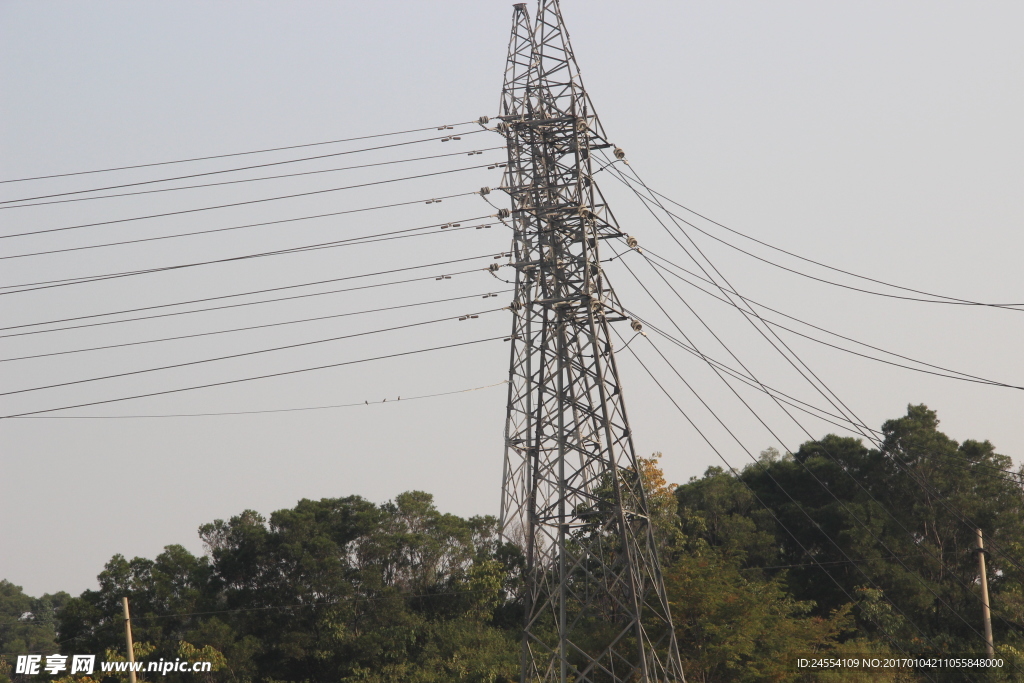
595 607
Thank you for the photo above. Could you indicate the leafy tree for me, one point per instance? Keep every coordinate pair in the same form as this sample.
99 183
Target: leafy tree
893 527
27 624
332 590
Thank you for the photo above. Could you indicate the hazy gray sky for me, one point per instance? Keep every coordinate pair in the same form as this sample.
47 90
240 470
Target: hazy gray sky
882 138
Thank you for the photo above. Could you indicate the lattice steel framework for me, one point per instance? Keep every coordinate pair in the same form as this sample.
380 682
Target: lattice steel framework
595 603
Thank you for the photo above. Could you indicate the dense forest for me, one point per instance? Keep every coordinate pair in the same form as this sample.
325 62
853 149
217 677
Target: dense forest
835 550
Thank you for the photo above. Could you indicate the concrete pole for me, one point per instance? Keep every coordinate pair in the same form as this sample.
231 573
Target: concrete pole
985 612
128 640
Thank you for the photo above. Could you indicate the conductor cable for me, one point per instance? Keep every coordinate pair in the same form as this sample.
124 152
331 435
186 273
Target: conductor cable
245 203
244 354
251 379
234 154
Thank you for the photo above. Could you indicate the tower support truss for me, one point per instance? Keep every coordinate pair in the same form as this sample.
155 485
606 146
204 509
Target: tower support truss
595 607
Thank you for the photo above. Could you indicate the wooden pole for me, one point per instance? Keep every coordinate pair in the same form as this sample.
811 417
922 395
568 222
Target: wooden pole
128 640
985 612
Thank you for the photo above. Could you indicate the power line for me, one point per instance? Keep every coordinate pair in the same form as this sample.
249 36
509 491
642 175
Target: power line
871 437
251 379
858 422
971 524
244 329
245 203
236 182
352 241
818 263
948 300
233 154
796 403
966 465
820 386
862 559
767 508
241 227
824 487
251 303
245 354
261 412
824 388
963 376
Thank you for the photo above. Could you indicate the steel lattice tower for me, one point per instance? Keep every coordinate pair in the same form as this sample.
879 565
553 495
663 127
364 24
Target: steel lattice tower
595 604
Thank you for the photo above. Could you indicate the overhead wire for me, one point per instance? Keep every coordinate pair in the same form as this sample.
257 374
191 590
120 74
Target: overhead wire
244 203
247 328
822 389
251 379
231 170
809 518
246 354
260 412
892 555
862 427
239 227
352 241
807 408
796 403
248 180
768 508
797 566
746 450
805 373
870 436
858 423
955 374
867 431
818 263
249 293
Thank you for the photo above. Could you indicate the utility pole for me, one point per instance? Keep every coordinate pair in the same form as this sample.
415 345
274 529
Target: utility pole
986 613
595 607
128 640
